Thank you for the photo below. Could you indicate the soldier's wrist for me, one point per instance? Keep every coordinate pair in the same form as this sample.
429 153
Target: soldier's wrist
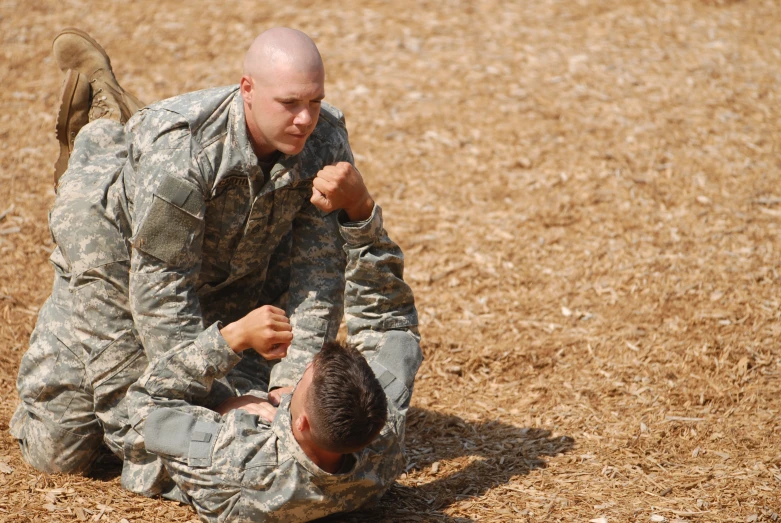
362 211
234 336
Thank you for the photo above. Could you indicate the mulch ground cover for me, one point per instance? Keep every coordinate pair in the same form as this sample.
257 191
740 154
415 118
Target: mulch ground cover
587 194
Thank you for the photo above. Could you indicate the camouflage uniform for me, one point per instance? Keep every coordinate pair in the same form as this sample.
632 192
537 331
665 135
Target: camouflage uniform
164 227
238 467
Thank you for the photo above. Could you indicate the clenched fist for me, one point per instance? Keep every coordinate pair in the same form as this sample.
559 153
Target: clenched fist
341 186
266 329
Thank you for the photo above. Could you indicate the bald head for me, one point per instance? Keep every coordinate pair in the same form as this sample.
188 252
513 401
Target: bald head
282 87
281 49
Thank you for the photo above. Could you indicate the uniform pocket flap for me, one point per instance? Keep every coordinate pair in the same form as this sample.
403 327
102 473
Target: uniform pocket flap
394 388
397 361
399 352
180 194
167 432
202 440
176 434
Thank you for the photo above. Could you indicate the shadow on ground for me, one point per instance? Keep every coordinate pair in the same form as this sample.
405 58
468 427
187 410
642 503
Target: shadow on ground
496 452
106 466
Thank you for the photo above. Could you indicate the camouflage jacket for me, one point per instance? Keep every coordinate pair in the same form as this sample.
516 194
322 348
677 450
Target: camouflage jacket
208 227
240 468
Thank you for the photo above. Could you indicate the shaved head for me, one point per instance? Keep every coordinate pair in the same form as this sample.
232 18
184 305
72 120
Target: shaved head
282 86
281 48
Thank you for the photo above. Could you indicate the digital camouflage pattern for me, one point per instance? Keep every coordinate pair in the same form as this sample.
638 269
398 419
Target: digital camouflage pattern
240 468
164 227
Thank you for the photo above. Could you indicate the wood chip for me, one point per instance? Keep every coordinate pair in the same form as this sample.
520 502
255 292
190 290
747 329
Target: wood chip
10 230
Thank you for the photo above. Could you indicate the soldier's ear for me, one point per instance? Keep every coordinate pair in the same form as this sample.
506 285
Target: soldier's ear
302 423
247 87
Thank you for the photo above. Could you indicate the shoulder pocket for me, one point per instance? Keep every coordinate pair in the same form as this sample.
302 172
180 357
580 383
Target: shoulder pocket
173 224
394 388
397 361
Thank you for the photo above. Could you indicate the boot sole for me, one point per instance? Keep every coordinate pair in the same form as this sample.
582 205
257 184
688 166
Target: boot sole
82 34
63 114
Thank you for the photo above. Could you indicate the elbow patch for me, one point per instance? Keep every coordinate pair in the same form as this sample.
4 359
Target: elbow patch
397 361
172 224
175 434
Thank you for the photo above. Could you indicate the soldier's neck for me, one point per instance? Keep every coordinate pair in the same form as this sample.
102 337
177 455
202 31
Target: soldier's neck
330 462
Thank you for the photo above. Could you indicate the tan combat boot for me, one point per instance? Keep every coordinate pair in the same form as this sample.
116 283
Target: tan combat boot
75 49
71 117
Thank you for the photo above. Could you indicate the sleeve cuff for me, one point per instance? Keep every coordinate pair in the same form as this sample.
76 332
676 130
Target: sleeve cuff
283 376
361 233
216 350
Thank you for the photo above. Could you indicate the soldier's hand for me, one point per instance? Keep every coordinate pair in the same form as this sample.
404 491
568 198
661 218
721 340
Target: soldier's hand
251 404
266 329
236 402
275 396
341 186
263 409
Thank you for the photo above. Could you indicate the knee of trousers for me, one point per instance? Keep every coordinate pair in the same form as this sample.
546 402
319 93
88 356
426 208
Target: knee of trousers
52 449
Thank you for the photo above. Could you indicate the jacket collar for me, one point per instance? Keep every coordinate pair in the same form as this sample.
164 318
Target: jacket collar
286 171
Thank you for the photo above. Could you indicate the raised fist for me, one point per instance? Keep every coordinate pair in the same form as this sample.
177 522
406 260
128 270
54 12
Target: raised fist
341 186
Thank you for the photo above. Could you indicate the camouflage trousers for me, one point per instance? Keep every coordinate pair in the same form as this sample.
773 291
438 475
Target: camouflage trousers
84 354
85 351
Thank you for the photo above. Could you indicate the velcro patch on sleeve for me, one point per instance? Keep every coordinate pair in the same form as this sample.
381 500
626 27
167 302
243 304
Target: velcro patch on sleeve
395 365
172 224
394 388
175 434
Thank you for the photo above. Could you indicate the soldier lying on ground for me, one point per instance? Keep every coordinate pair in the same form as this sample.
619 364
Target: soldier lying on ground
201 208
306 457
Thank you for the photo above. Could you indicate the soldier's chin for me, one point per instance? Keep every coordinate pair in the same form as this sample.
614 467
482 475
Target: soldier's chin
292 148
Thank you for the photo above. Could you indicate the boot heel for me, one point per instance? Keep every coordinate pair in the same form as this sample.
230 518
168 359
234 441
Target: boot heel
71 117
63 115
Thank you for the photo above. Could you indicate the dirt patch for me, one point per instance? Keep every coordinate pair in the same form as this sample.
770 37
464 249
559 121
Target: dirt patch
587 196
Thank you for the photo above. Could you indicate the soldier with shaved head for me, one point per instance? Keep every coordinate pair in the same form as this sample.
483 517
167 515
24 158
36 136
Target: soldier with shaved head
196 228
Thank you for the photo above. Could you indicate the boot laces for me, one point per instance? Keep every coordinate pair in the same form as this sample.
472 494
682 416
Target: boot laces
104 102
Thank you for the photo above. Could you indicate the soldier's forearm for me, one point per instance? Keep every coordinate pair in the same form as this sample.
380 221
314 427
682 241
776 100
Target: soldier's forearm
377 299
316 294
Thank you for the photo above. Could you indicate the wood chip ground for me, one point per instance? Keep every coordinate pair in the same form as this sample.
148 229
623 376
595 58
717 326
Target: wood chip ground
587 193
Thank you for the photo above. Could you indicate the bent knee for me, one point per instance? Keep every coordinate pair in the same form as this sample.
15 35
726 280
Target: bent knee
53 450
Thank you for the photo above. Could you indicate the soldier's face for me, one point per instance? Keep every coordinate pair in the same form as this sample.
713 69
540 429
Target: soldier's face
283 109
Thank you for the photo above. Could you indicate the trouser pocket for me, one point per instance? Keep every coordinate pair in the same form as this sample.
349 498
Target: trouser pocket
119 364
111 372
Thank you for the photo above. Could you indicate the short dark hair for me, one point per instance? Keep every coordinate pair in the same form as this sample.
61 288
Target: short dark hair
346 403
